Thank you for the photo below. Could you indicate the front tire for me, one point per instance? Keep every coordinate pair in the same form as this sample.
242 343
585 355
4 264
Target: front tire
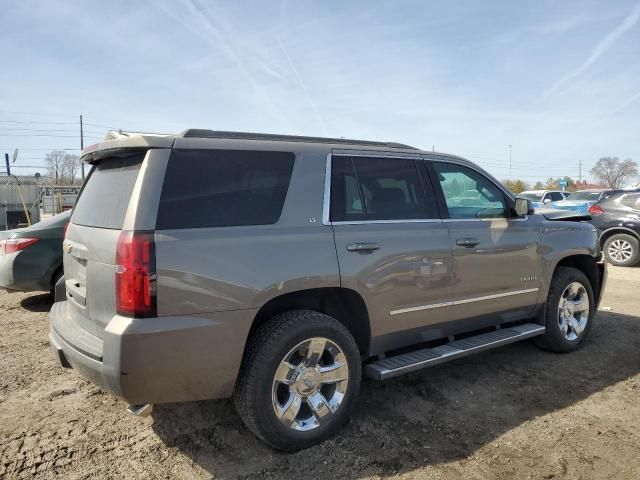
569 311
622 250
299 379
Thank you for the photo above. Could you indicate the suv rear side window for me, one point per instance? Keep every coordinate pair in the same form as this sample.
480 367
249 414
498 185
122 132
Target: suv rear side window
223 188
105 196
370 188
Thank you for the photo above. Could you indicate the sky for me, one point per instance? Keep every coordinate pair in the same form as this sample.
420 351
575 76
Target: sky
559 81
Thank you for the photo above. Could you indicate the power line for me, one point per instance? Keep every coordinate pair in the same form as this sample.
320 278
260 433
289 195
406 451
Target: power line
39 130
28 166
36 135
40 114
39 148
23 122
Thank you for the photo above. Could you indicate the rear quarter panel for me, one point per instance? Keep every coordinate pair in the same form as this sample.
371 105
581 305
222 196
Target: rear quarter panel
232 268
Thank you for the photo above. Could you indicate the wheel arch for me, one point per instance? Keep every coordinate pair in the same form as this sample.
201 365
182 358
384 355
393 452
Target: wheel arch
608 233
343 304
591 267
58 268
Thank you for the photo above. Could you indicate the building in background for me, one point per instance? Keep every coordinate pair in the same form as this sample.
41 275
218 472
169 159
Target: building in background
58 198
19 197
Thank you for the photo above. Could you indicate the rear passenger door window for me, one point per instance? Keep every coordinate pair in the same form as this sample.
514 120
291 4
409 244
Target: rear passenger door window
556 196
468 194
222 188
377 188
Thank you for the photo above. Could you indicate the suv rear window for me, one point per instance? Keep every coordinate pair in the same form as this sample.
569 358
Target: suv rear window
223 188
105 196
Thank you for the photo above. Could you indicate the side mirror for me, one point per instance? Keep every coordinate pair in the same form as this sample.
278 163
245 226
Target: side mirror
523 207
547 200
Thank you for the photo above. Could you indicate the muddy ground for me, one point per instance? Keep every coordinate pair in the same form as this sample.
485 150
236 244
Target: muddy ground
516 412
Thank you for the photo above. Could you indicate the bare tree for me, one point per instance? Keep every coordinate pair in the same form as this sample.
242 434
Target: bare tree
614 173
71 168
55 163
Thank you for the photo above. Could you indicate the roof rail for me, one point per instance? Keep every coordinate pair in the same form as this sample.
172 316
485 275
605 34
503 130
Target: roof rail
202 133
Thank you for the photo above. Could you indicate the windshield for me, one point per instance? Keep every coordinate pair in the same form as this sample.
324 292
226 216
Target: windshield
533 196
584 196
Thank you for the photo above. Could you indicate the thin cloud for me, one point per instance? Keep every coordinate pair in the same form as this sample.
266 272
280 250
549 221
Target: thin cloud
304 87
559 26
629 100
604 44
213 34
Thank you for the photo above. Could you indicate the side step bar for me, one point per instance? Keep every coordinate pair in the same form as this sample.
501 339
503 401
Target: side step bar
410 362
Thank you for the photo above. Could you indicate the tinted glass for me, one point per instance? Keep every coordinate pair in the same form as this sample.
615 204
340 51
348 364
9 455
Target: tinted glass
631 201
592 196
346 204
468 194
389 189
556 196
105 196
221 188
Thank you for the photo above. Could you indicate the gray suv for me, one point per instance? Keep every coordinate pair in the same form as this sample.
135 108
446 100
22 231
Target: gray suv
278 270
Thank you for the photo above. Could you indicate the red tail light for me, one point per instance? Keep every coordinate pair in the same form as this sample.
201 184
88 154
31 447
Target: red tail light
595 210
16 244
135 274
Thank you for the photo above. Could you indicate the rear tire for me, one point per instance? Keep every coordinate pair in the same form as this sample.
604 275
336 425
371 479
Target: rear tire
569 311
299 379
622 250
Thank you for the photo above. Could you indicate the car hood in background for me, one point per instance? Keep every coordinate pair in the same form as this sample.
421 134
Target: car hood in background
563 215
581 206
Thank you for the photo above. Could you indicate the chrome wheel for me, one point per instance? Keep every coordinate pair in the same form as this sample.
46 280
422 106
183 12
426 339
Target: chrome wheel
573 310
620 250
310 384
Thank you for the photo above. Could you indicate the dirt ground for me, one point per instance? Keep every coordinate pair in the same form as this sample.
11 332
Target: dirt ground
515 412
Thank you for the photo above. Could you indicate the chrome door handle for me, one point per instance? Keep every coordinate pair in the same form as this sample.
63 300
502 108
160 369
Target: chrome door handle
467 242
362 247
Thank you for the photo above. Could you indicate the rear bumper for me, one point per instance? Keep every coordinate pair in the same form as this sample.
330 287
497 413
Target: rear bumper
156 360
7 280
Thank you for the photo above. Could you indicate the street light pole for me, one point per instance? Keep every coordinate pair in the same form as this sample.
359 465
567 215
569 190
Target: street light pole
509 161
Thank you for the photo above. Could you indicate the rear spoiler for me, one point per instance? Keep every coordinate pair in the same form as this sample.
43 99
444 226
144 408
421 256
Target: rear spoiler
119 142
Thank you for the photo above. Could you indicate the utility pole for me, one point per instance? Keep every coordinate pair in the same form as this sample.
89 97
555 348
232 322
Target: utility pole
6 161
509 161
81 148
580 172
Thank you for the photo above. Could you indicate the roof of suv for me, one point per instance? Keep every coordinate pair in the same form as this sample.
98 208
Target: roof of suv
200 133
118 139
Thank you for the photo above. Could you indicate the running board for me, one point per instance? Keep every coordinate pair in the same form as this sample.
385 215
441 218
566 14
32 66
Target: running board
410 362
